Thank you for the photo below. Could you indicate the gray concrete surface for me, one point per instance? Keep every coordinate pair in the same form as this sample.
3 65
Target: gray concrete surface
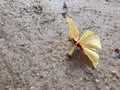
34 42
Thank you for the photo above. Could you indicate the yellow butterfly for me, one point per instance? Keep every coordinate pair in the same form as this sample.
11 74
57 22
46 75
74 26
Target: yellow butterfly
89 42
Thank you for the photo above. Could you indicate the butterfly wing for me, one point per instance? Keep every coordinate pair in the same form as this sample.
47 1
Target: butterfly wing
93 56
90 43
72 50
90 40
73 33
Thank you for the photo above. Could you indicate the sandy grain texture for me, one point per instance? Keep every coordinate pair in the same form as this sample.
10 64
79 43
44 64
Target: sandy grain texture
34 42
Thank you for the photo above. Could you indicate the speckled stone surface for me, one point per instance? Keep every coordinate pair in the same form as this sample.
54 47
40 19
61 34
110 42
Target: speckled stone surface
34 44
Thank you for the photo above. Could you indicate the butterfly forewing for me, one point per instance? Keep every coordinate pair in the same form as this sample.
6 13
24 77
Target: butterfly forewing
73 33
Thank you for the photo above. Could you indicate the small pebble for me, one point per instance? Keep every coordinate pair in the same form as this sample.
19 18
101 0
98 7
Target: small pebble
119 56
45 69
44 74
38 74
2 23
46 28
32 88
96 80
117 50
113 72
117 25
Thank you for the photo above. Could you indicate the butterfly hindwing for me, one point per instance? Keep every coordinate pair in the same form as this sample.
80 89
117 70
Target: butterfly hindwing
93 56
73 33
72 50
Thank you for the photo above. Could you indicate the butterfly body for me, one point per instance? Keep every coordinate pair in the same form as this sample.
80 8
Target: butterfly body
89 42
77 44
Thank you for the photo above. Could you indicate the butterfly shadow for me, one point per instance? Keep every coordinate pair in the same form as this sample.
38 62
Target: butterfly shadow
79 58
79 61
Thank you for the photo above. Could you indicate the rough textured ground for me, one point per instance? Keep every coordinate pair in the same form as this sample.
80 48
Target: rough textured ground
34 42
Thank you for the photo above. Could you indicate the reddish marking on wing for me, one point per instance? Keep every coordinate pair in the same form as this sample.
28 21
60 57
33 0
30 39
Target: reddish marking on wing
77 44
